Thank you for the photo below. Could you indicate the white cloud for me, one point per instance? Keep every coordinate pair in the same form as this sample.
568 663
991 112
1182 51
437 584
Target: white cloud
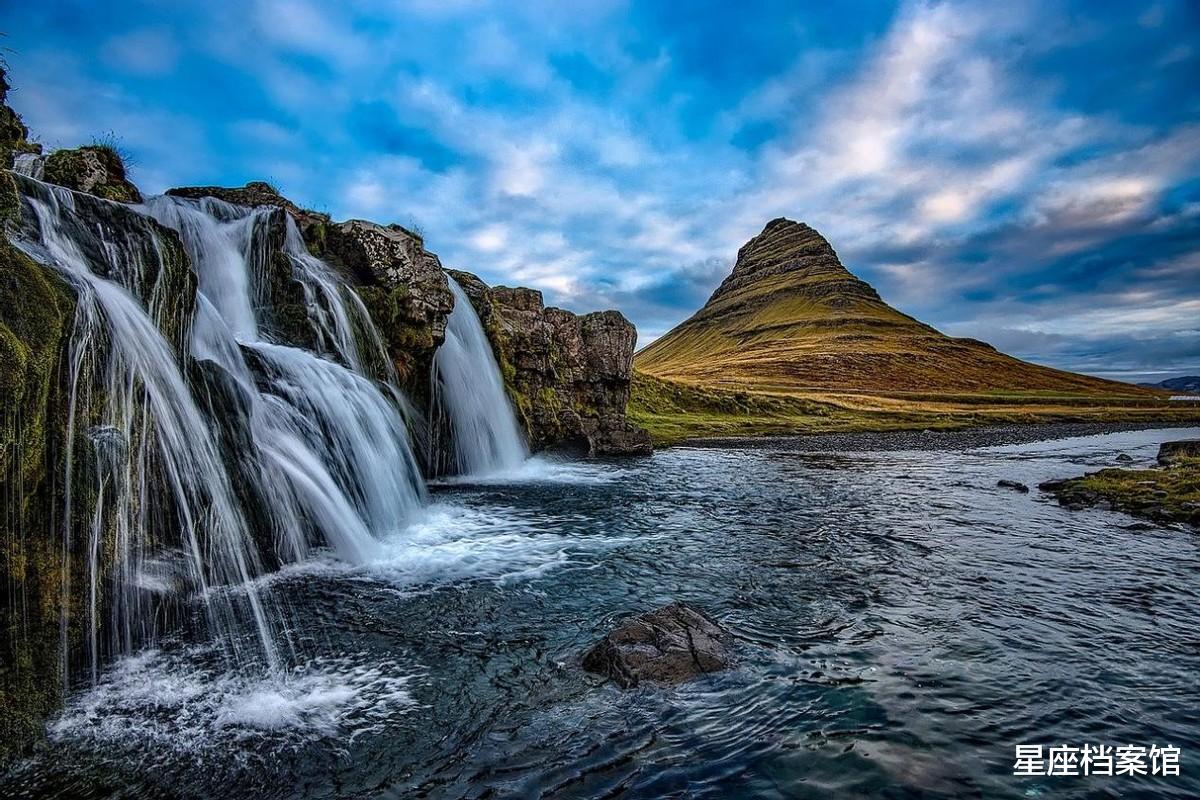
148 51
490 239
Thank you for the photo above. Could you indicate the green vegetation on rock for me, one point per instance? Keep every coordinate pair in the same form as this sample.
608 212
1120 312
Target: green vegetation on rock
96 169
1164 494
36 310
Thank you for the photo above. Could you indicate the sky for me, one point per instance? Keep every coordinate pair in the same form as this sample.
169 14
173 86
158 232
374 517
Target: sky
1023 173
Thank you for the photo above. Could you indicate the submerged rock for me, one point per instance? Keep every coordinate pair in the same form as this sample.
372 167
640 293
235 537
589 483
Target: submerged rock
669 645
1172 452
1124 458
1014 485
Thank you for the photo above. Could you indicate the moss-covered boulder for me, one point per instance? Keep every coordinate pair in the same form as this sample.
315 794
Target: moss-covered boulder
94 169
568 375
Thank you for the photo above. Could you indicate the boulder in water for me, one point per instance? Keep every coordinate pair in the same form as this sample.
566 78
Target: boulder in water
1124 458
1016 486
1172 452
670 645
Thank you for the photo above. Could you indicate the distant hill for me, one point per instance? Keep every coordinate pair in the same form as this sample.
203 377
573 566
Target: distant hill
791 317
1186 383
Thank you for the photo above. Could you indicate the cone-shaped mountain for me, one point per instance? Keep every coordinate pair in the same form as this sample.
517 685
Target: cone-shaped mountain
791 316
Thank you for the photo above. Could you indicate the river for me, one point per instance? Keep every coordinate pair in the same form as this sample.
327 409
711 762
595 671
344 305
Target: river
901 624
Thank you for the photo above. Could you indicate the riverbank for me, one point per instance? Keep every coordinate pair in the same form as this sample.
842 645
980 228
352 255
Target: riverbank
1166 494
675 413
961 439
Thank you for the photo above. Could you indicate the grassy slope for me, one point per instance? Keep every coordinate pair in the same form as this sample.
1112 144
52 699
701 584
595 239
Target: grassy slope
794 342
775 335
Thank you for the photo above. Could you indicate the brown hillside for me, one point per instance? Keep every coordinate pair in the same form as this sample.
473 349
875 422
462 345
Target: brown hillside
791 317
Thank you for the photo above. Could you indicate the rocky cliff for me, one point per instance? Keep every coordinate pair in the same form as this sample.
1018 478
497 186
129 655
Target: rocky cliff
568 376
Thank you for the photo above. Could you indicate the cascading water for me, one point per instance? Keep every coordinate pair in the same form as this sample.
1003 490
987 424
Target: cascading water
469 388
209 445
164 521
331 444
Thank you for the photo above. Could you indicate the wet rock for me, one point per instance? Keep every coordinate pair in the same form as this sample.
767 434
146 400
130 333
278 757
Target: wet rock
1014 485
403 287
569 376
1172 452
667 646
312 224
1124 458
126 247
93 169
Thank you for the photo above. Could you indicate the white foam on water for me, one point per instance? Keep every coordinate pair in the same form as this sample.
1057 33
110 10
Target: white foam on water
451 544
169 700
540 470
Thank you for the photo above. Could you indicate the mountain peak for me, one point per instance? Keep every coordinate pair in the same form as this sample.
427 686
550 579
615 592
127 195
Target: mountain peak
791 317
787 246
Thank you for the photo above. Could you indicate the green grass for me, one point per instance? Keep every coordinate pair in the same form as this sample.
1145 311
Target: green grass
1168 493
673 411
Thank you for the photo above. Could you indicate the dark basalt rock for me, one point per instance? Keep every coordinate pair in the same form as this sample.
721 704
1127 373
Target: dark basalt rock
666 646
1171 452
1014 485
1124 458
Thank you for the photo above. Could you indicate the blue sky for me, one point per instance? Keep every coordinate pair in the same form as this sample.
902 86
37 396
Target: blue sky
1024 173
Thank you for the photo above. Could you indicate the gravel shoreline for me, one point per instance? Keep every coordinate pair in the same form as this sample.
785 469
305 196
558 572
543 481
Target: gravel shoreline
965 439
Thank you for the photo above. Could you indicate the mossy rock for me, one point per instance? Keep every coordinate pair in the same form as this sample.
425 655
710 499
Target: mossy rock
36 312
93 169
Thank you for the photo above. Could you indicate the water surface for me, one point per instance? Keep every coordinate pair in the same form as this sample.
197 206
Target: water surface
901 623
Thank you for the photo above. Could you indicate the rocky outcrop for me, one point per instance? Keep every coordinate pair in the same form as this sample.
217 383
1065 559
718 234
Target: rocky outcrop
568 375
1175 452
403 287
14 136
93 169
666 646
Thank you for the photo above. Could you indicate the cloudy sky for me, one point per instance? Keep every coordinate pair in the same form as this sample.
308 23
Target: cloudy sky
1024 173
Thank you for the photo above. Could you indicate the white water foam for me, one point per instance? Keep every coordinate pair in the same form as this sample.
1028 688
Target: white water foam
167 700
541 470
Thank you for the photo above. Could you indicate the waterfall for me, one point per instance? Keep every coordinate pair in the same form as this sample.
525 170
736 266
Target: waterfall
469 388
165 516
209 445
333 448
29 164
